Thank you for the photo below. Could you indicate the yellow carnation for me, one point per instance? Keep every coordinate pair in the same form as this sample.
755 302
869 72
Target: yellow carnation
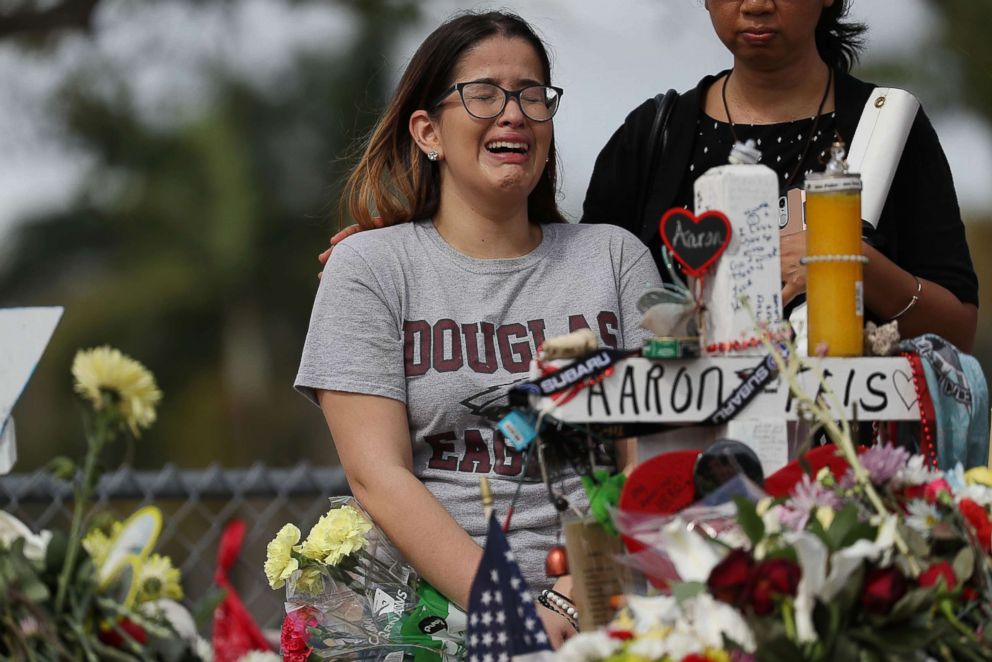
279 561
338 534
132 388
159 579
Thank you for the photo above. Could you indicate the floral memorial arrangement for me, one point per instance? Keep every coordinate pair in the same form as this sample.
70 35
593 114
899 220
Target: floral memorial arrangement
97 592
351 596
872 554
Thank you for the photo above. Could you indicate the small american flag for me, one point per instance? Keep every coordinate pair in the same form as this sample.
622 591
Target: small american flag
503 625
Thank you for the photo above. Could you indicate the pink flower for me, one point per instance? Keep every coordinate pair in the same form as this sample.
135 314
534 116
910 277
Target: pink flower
806 496
883 462
934 490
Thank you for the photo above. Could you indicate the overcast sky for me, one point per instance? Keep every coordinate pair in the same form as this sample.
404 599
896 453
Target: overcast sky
609 58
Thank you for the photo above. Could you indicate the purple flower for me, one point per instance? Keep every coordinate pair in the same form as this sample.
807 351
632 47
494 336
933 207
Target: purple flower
806 496
882 463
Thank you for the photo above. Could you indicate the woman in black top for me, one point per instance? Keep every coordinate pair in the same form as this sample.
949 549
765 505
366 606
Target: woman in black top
789 89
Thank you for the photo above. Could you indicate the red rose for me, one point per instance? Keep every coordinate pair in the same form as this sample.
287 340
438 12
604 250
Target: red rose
936 572
883 588
730 577
114 635
771 578
695 657
979 520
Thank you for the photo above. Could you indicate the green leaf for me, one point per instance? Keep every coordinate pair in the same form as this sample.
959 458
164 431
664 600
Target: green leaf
915 540
204 610
683 591
964 565
845 520
848 596
914 602
747 517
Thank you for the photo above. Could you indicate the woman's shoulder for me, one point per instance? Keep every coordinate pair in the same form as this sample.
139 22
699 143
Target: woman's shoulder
379 241
595 234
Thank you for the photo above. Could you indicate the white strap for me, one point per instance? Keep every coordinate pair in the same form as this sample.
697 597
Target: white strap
878 143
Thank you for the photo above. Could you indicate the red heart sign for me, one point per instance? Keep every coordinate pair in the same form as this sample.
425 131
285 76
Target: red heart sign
695 241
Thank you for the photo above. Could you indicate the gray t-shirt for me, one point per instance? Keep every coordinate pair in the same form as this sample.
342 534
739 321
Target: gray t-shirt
399 313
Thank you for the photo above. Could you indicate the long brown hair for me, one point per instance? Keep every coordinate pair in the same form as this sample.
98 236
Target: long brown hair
394 180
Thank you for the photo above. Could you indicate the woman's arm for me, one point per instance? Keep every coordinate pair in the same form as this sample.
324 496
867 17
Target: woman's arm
373 441
372 438
889 289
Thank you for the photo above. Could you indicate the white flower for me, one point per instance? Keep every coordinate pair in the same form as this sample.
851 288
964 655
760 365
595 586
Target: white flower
955 478
980 494
812 555
916 472
692 556
923 516
588 647
713 620
650 648
652 612
181 621
12 529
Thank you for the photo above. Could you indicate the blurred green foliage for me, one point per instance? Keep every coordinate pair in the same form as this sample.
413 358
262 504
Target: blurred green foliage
193 249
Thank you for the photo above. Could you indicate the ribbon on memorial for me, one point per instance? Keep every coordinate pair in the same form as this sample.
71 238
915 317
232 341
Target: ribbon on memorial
762 374
576 375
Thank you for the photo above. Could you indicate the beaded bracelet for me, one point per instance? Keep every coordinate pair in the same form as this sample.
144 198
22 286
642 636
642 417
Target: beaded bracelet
560 604
813 259
912 302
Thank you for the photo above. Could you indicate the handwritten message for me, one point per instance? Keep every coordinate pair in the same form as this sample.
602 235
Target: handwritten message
688 391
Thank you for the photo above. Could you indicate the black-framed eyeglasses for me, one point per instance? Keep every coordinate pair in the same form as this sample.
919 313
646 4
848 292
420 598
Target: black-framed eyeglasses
485 101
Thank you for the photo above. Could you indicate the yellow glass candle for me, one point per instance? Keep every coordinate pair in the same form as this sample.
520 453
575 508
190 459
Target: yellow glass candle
834 292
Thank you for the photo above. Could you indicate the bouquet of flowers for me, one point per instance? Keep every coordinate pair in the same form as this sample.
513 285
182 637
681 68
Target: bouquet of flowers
350 595
878 557
102 595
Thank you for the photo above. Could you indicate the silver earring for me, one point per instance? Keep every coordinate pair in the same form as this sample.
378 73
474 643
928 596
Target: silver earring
432 155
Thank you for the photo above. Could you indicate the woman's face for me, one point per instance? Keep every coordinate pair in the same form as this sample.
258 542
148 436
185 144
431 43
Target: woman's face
502 156
767 32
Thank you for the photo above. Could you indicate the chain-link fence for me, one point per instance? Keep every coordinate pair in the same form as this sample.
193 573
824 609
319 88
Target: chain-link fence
196 505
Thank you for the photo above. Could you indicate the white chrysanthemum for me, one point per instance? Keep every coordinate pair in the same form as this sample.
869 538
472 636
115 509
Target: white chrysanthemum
916 472
588 647
922 516
132 387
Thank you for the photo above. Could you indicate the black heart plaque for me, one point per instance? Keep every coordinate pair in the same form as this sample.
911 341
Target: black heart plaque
695 241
